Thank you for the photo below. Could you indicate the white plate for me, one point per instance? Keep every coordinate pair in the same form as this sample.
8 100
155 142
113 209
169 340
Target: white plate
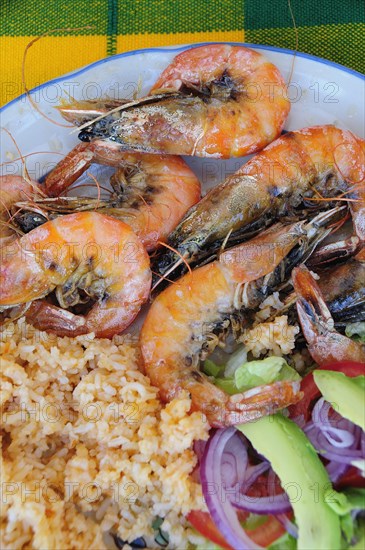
321 92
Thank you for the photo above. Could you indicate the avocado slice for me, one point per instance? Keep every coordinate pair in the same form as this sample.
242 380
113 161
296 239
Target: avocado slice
302 474
346 394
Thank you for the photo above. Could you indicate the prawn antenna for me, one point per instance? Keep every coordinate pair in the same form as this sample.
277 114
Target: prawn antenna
337 198
8 223
21 158
335 226
97 186
296 42
82 185
182 260
224 243
26 89
163 277
148 208
6 209
25 171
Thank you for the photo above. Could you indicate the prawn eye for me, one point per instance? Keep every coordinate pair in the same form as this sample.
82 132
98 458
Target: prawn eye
85 135
28 221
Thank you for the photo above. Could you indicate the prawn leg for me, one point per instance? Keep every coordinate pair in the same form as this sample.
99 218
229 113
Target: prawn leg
77 161
335 252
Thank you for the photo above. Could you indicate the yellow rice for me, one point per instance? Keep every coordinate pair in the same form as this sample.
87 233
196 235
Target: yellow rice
276 337
88 448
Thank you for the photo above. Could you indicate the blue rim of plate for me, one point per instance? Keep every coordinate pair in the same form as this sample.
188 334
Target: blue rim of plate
179 49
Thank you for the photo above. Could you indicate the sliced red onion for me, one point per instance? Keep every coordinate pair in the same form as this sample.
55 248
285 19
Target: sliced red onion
321 419
332 428
300 421
237 459
291 528
271 482
336 470
199 446
229 470
324 448
338 437
231 473
277 504
220 508
226 475
335 438
252 473
320 413
272 504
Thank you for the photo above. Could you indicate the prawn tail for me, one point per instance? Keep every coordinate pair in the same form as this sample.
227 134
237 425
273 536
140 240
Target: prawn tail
261 401
50 318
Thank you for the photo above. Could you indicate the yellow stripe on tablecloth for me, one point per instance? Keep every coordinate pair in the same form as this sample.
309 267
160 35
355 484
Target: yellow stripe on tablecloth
54 56
49 58
135 41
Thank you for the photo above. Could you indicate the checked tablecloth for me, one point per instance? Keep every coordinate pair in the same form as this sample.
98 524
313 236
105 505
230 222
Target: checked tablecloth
333 29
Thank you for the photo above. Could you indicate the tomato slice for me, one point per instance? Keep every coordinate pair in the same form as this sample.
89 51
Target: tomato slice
352 478
264 535
311 392
350 368
204 524
268 532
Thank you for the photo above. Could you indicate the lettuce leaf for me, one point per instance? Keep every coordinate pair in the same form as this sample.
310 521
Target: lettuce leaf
285 542
356 331
359 537
211 369
355 497
264 371
251 374
208 545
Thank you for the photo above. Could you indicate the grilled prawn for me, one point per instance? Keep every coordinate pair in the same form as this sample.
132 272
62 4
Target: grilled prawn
185 317
300 169
151 193
212 101
89 260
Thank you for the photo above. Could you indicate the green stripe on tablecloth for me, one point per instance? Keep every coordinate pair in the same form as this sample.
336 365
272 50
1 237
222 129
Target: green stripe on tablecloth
276 14
339 42
34 17
112 27
156 16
